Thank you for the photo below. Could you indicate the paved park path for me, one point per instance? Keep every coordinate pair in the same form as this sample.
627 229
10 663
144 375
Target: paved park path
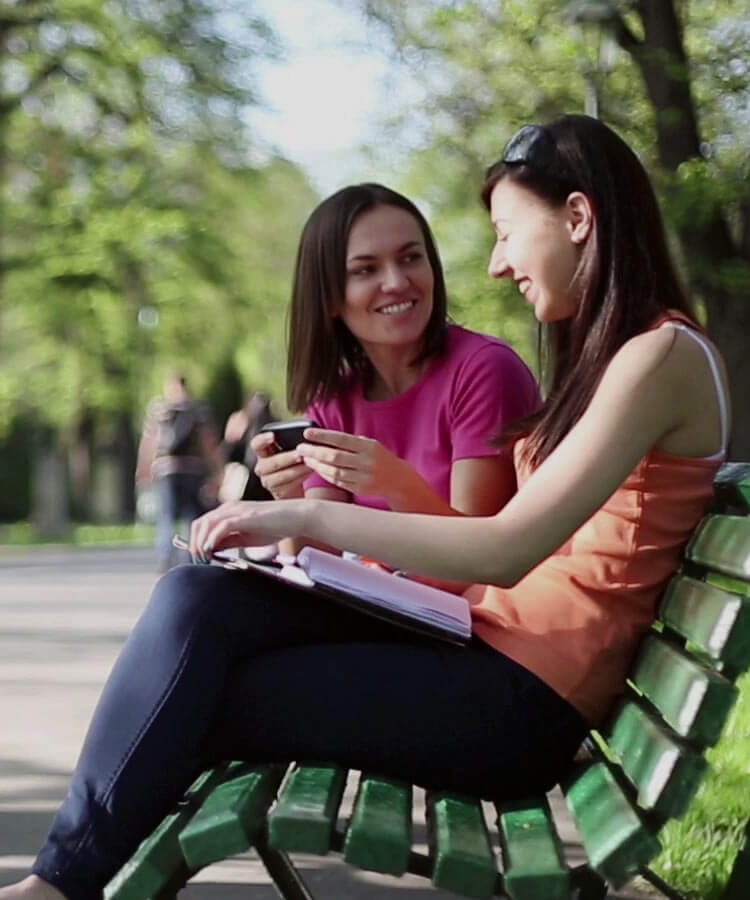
64 614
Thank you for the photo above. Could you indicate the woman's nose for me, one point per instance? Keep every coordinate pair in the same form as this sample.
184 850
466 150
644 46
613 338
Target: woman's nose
498 266
394 278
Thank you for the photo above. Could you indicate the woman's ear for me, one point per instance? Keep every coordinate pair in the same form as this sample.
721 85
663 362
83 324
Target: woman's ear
580 216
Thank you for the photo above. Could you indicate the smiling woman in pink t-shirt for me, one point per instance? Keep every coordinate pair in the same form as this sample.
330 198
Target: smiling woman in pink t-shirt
407 404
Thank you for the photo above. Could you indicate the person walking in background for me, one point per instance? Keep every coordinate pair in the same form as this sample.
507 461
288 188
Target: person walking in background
239 481
179 455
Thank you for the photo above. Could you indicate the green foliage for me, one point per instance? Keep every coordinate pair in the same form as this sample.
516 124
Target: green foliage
23 534
136 227
486 67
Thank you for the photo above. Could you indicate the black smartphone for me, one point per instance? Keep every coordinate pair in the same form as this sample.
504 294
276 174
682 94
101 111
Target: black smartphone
288 434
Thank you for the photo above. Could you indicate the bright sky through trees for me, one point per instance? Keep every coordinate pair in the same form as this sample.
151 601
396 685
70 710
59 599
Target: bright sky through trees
326 93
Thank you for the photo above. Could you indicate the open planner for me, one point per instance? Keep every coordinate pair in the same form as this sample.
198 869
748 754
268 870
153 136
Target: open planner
373 591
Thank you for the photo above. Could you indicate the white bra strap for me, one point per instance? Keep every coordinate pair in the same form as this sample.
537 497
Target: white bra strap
720 394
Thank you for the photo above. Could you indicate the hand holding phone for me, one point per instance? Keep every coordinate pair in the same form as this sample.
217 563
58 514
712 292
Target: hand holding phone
288 434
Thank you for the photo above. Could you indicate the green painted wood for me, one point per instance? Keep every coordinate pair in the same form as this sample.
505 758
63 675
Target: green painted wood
692 698
533 858
379 834
722 543
729 584
305 815
732 486
715 620
665 772
463 861
230 815
617 842
159 858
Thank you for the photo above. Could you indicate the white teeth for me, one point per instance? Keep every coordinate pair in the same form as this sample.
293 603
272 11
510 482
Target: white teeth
395 308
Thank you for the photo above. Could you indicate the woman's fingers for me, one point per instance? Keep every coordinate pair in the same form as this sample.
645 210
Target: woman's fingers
331 438
343 459
284 483
282 474
351 480
263 444
239 523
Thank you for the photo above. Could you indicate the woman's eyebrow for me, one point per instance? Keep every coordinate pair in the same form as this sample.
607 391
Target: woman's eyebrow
407 246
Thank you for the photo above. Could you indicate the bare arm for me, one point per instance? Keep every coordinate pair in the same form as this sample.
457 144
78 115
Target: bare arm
361 465
295 544
641 400
146 449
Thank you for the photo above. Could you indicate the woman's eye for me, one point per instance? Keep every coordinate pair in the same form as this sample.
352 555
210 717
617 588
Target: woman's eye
412 257
360 270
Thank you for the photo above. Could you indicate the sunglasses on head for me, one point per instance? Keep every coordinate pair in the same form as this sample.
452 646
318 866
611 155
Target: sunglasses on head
531 145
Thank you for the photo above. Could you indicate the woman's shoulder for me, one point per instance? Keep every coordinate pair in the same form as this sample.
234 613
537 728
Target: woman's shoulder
474 354
349 391
463 343
668 348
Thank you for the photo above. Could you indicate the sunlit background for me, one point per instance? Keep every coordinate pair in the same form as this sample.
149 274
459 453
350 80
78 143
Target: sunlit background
159 159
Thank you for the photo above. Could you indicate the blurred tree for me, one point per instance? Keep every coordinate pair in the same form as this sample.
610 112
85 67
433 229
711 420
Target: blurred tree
672 77
126 179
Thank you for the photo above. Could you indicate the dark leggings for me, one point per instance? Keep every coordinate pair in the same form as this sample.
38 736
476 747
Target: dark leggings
229 665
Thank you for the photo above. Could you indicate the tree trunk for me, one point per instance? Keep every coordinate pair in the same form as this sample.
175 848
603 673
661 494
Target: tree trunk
127 449
50 487
707 243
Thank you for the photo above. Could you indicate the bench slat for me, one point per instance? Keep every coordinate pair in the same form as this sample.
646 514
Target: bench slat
230 815
305 815
463 861
617 842
379 834
692 698
159 858
732 486
665 772
723 543
533 859
714 619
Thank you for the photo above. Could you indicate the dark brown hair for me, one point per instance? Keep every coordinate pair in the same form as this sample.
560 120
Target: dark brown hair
625 278
321 349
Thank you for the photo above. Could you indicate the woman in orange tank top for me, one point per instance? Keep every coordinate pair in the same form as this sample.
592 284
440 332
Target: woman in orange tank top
616 468
614 472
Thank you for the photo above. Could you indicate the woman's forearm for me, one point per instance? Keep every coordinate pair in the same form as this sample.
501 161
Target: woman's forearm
418 543
411 493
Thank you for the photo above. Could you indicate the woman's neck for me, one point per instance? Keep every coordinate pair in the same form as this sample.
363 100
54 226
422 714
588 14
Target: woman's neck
393 373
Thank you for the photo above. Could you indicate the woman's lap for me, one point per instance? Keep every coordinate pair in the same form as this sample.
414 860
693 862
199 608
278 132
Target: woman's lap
222 664
468 719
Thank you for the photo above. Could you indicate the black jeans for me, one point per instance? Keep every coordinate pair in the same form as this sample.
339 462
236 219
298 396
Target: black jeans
230 665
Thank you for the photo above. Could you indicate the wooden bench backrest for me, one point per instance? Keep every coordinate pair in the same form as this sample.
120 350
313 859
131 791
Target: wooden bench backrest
680 692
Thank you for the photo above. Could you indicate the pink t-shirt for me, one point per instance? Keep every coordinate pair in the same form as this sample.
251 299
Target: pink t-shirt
466 396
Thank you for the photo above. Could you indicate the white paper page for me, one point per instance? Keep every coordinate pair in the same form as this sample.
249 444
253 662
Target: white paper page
389 591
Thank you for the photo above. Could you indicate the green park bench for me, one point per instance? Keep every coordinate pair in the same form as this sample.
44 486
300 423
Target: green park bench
644 767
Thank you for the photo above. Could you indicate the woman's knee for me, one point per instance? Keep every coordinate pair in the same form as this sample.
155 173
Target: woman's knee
185 596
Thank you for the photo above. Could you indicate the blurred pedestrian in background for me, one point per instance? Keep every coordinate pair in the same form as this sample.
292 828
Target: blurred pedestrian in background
179 456
239 481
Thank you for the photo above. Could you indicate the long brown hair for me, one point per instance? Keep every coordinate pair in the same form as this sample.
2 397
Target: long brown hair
321 349
625 278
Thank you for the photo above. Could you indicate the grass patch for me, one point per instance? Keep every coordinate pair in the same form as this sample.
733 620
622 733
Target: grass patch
699 850
23 534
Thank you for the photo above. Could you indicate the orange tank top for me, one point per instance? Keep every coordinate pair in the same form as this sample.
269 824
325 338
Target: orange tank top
576 619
